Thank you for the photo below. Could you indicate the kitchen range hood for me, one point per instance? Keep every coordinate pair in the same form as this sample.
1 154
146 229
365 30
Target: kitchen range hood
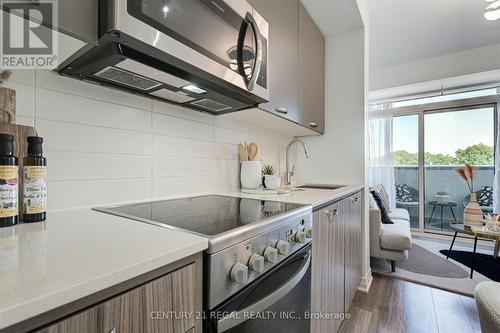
202 54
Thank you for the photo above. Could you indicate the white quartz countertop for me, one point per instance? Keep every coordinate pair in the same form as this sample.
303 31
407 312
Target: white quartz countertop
314 197
79 252
76 253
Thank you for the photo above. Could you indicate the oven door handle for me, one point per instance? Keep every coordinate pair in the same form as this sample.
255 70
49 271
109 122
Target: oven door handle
237 318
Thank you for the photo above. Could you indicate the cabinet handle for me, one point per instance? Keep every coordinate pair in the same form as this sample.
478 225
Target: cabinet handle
331 214
355 199
281 109
313 124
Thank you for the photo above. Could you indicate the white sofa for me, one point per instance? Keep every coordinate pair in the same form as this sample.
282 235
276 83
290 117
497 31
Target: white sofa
390 241
487 296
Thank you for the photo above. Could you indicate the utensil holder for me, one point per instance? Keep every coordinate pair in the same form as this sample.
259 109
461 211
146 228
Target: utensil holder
250 174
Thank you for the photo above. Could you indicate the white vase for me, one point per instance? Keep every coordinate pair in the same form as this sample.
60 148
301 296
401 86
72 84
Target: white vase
272 182
473 215
250 174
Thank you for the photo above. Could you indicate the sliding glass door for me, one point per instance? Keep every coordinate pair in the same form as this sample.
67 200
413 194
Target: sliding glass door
406 165
452 138
428 145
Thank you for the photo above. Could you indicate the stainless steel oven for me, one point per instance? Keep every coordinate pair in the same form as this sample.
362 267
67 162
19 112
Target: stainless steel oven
206 54
256 269
277 302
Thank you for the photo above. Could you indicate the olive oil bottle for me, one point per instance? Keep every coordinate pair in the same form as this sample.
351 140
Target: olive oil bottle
9 173
35 182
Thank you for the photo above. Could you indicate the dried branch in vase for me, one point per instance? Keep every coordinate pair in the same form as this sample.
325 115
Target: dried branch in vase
468 173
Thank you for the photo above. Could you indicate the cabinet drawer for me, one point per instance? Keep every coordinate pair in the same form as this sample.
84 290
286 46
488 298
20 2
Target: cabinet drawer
166 299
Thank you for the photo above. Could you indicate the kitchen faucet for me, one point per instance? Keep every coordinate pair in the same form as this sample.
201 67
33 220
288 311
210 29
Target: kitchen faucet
289 173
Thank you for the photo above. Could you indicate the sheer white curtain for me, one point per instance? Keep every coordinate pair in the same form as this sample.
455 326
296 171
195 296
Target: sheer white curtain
381 168
496 180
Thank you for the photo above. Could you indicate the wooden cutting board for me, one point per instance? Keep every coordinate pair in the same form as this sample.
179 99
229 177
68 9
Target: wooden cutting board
20 149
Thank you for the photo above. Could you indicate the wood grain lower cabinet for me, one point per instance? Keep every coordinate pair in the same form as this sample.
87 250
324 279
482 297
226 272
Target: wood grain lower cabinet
327 294
336 261
167 304
352 243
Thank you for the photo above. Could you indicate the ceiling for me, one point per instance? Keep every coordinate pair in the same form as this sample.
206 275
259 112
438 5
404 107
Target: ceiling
408 30
334 16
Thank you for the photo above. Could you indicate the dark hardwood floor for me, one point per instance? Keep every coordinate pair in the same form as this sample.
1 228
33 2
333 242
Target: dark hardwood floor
397 306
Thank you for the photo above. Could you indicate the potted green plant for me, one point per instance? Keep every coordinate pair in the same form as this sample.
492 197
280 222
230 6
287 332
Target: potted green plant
7 100
269 178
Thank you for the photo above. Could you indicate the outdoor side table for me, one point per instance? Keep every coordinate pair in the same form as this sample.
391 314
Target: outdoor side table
442 205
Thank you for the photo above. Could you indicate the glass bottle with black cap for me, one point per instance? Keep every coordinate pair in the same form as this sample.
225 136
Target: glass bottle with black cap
35 182
9 174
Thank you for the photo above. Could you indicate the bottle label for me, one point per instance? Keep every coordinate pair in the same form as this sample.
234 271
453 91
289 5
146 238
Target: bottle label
35 189
8 190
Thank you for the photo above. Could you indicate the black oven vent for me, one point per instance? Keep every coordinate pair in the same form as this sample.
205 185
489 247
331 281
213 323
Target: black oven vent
127 78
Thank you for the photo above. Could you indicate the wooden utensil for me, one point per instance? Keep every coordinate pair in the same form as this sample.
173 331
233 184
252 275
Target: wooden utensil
242 151
253 151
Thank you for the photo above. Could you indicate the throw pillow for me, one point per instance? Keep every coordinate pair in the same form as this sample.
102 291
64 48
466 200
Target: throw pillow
403 193
485 196
384 217
371 202
380 189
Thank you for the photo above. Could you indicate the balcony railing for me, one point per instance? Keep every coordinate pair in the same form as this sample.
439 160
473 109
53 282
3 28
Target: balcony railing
441 179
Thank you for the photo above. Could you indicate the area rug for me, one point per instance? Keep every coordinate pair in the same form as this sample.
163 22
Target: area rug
484 263
425 262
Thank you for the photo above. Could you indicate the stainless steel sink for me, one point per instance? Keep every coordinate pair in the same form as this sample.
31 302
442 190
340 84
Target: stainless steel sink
320 186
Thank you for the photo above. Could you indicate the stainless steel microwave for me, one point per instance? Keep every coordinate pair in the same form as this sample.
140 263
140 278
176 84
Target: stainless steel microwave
205 54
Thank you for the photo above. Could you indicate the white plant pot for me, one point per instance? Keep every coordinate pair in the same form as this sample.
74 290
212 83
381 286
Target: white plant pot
250 174
473 215
272 182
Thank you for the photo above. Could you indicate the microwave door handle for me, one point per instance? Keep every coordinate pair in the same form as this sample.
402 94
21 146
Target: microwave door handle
237 318
250 82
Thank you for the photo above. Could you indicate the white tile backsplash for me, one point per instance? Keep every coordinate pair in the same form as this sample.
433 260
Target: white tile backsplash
88 111
66 166
105 146
63 136
178 127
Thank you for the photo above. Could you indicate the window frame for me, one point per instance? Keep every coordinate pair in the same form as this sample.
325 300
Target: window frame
442 107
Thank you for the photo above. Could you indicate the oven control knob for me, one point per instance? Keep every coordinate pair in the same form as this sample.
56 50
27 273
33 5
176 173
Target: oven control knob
271 254
309 231
283 247
300 237
239 273
256 263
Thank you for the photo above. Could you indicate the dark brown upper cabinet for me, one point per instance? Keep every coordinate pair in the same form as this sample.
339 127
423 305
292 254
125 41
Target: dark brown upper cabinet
296 63
283 18
311 73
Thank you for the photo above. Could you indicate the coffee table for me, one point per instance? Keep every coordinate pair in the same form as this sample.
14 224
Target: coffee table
442 205
459 227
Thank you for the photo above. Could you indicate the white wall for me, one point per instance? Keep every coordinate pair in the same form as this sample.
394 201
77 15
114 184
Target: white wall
104 146
455 64
337 157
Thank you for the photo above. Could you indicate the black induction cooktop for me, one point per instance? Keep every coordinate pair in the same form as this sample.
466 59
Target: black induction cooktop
207 215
